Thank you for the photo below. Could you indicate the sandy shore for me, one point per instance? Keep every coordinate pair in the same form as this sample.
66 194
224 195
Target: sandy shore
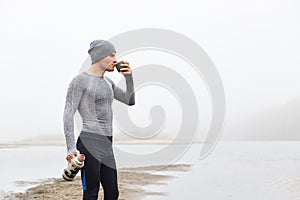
132 182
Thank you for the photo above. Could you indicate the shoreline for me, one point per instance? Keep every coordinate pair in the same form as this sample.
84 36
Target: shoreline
59 143
156 142
132 183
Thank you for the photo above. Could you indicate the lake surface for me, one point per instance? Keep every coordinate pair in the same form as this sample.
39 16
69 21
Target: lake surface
234 170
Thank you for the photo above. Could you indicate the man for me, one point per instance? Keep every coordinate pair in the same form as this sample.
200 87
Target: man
91 93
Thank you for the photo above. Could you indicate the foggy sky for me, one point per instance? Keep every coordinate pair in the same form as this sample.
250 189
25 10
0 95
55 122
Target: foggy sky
253 44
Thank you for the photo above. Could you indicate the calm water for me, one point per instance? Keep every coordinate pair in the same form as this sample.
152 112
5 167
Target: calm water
234 170
240 170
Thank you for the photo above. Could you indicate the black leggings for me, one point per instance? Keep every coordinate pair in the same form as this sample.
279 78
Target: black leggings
95 172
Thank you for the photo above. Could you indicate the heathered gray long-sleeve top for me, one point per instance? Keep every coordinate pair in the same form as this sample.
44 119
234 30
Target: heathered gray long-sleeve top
92 96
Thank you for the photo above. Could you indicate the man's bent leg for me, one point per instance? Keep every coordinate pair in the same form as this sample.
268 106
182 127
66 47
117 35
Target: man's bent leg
109 181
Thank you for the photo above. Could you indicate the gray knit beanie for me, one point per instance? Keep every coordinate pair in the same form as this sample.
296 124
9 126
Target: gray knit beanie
100 49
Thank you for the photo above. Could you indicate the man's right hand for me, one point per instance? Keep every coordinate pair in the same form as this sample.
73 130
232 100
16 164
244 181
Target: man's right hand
71 156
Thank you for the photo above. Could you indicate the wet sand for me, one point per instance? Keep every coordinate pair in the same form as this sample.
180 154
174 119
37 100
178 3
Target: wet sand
132 184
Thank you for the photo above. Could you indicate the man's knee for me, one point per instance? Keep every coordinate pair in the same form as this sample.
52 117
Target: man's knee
112 195
91 194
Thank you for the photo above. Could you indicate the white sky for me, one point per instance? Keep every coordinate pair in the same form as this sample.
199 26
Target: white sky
253 43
